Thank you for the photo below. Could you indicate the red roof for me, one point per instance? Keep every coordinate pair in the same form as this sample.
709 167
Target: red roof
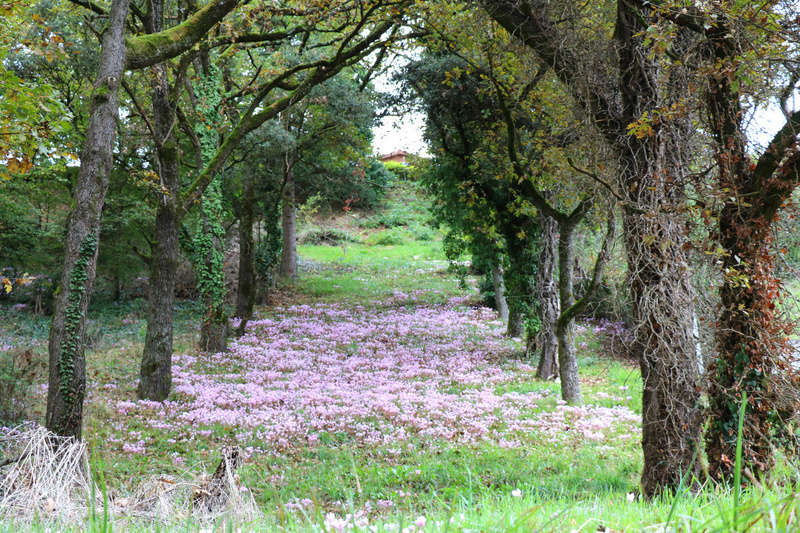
397 153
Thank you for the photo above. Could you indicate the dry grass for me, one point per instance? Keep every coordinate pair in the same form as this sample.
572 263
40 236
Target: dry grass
48 476
47 479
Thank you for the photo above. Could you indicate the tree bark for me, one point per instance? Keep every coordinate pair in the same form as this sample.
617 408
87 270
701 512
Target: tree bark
66 346
288 268
213 336
154 48
652 178
565 325
515 328
155 372
500 302
545 341
246 289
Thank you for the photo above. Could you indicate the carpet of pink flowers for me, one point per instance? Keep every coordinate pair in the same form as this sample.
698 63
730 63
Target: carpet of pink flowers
394 373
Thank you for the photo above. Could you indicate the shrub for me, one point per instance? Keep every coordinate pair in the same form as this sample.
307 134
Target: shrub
18 369
369 223
486 289
388 237
386 220
353 186
327 236
422 233
401 171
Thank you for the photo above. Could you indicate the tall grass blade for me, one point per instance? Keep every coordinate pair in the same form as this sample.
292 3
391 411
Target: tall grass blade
737 471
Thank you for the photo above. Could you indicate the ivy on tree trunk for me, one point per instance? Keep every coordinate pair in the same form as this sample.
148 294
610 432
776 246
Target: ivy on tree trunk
66 346
210 236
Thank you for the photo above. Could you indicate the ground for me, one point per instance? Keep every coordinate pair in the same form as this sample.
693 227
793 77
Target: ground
376 394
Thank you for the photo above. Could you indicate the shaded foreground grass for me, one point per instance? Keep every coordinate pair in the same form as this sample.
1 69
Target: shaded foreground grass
523 462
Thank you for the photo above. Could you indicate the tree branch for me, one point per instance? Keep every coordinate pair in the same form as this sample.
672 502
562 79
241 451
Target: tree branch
91 6
253 118
146 50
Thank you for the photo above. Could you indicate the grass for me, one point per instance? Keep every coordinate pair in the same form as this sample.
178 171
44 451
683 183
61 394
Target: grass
574 484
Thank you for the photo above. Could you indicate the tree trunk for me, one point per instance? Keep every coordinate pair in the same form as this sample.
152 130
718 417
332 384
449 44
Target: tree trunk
750 341
546 342
66 346
752 334
214 336
155 372
663 339
565 325
652 178
515 328
214 328
519 277
209 241
246 290
499 292
288 268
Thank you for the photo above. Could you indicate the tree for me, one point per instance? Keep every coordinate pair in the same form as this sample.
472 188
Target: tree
329 136
736 43
352 35
518 127
32 117
616 85
462 179
256 195
67 381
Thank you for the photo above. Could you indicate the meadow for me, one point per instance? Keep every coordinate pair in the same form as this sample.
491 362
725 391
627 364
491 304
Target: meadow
377 394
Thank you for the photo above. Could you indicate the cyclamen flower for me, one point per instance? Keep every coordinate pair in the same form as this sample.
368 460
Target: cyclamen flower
385 376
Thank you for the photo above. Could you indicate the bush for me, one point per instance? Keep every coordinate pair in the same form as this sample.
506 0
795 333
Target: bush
327 236
486 289
401 171
388 237
352 186
18 369
422 233
386 220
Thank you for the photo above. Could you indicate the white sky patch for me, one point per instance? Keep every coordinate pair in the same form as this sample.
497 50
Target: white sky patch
767 121
398 132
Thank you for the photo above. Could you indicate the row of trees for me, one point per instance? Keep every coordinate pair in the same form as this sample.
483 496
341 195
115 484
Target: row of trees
541 114
537 118
201 89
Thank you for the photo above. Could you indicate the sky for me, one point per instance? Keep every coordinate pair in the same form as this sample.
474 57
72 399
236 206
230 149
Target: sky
768 120
400 133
